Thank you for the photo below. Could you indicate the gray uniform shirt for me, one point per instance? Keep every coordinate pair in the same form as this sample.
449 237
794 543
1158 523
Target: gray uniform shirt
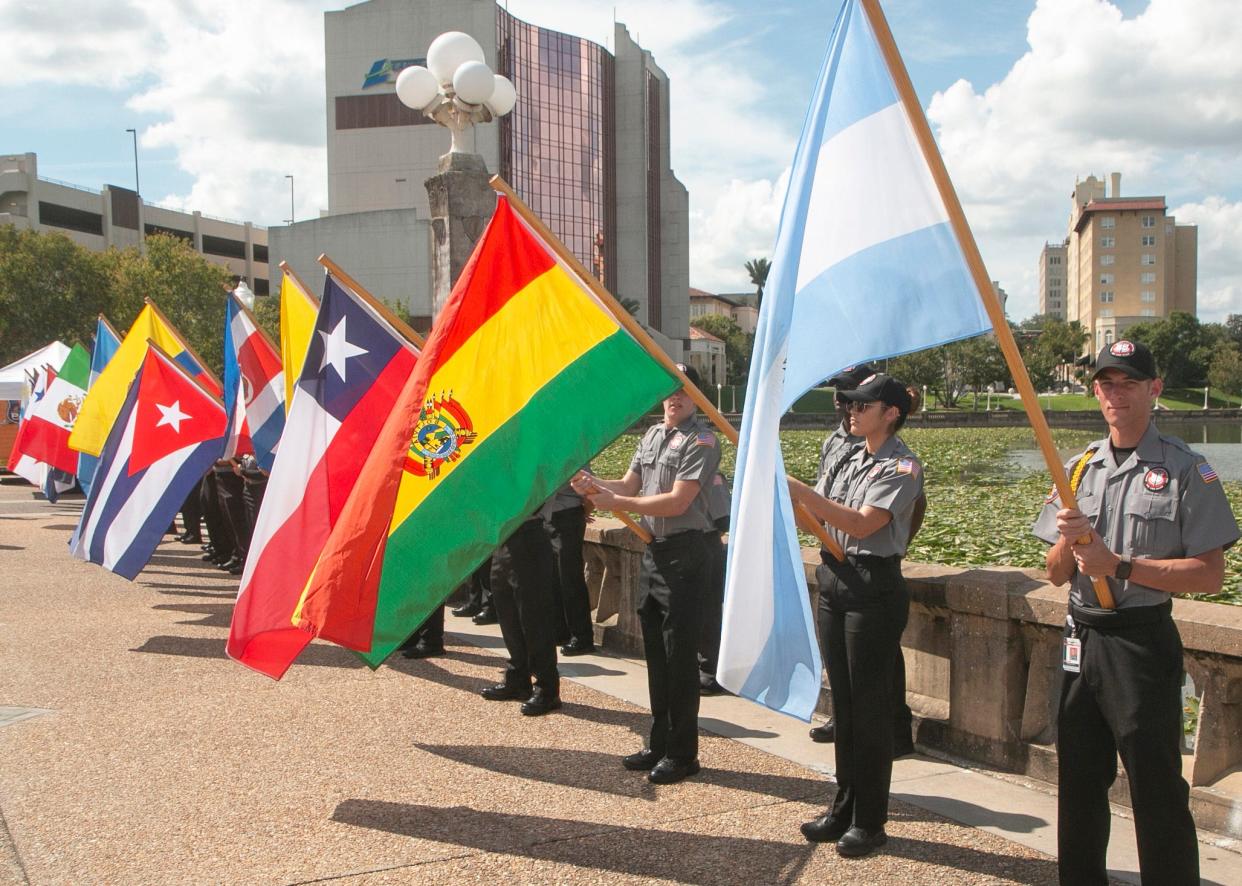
565 498
892 479
1164 502
689 451
835 448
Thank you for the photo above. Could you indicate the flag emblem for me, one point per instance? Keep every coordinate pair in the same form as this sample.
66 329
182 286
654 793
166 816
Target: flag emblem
1156 479
1207 473
68 408
443 428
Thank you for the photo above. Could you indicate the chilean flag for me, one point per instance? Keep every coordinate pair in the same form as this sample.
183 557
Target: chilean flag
168 433
254 387
355 367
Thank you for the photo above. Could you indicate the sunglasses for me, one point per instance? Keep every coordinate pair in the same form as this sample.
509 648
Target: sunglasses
856 406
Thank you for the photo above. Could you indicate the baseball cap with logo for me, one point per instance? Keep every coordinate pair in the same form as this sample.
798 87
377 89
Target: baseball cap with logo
691 373
851 377
1131 357
884 388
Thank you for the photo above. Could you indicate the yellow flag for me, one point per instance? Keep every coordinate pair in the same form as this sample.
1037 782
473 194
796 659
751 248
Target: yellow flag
298 309
107 395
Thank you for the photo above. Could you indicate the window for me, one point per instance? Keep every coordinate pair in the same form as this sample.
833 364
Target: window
1148 259
1147 295
1106 296
1054 260
1149 239
1147 277
1149 221
1108 242
1108 259
1106 279
1108 221
1147 312
1108 335
1055 304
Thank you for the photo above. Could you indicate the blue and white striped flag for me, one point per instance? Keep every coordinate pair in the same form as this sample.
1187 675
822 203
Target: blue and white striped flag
866 266
107 343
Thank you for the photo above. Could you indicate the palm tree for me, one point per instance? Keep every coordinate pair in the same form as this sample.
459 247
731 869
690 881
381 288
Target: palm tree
631 305
758 269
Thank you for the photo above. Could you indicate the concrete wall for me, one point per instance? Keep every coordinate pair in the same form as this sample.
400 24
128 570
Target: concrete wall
982 652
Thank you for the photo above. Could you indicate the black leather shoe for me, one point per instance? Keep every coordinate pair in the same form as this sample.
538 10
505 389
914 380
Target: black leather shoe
903 745
486 616
670 771
825 734
467 610
641 761
190 539
856 842
824 829
540 703
505 692
423 650
234 562
709 686
577 647
208 556
208 548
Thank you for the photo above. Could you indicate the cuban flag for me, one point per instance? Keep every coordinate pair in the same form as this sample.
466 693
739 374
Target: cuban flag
866 266
168 433
254 387
107 343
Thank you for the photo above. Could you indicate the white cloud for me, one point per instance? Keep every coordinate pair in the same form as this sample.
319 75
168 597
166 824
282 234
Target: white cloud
1157 97
1220 261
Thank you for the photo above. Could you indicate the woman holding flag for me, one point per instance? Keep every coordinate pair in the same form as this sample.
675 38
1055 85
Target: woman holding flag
868 501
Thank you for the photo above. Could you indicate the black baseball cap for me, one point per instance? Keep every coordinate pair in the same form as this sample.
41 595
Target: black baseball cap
1131 357
691 373
883 388
851 377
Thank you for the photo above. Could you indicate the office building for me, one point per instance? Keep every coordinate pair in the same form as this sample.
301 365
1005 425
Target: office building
1052 279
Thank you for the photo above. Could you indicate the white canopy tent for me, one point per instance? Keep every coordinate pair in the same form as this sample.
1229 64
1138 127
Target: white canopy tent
13 377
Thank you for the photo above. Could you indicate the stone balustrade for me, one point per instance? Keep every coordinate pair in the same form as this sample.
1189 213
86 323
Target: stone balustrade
983 673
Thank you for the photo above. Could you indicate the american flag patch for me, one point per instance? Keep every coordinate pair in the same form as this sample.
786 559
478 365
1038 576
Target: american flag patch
705 438
908 466
1207 473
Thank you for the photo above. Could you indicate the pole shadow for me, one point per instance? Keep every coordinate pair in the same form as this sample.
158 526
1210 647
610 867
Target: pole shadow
212 615
673 856
978 861
316 655
974 815
733 730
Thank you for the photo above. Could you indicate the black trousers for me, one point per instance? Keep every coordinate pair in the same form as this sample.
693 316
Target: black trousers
672 584
480 586
252 499
230 489
1127 700
523 573
218 529
573 601
863 607
430 632
713 605
192 511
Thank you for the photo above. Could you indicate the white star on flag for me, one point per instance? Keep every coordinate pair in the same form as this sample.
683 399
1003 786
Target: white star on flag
171 415
337 349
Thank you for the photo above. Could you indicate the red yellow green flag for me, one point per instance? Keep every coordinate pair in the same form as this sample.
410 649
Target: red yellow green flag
524 378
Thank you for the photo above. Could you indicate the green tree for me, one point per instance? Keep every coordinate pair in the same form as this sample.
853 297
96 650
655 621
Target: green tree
1182 346
758 269
1225 372
738 344
922 369
189 290
1047 345
50 288
631 304
975 363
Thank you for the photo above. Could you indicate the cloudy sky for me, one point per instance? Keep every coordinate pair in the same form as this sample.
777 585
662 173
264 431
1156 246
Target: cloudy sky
1024 96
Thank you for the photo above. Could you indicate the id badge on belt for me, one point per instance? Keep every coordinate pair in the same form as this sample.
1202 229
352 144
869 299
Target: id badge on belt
1071 649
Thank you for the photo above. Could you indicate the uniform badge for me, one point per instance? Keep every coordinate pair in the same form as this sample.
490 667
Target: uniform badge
1207 473
1156 479
1122 348
1052 495
442 429
675 440
705 438
908 466
875 472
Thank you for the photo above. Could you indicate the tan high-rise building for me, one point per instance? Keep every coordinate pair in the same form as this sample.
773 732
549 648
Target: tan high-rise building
1053 267
1127 261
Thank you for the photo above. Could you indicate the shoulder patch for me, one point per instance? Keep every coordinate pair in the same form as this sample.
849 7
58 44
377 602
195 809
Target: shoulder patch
705 438
1156 479
908 466
1052 495
1207 472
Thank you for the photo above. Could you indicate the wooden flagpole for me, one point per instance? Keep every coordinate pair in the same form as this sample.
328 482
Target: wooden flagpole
297 281
807 522
184 343
380 308
957 218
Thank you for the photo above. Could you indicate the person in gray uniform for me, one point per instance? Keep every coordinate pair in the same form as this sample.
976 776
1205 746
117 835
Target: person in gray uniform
868 504
710 625
667 482
836 448
567 520
1158 524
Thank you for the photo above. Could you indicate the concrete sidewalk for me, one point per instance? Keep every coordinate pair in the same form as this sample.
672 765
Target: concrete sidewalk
133 751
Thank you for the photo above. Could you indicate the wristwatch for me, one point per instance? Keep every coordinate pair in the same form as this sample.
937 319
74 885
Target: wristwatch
1124 568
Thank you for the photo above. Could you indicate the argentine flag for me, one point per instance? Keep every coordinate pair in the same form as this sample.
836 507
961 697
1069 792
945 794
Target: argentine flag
866 266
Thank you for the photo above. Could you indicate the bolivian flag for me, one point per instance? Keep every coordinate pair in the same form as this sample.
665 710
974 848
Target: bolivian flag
524 378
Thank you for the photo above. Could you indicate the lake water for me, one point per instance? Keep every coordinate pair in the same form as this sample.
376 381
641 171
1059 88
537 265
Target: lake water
1219 442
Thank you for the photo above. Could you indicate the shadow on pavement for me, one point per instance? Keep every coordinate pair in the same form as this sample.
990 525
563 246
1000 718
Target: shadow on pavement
586 669
977 816
213 615
732 730
319 655
61 527
964 858
595 771
11 548
670 856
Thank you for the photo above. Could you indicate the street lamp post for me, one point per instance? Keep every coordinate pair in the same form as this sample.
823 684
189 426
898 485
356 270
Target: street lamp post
291 213
719 387
134 133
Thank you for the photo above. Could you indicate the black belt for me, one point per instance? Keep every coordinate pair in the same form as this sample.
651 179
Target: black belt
1121 618
677 537
827 558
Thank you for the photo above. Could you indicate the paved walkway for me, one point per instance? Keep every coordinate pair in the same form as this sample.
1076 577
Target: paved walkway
133 751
